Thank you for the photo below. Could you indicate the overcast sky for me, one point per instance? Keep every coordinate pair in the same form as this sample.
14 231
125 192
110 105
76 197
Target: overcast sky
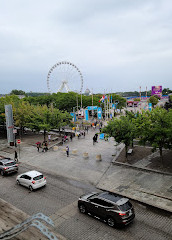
118 45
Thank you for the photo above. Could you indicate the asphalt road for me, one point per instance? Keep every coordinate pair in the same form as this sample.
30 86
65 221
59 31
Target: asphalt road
59 201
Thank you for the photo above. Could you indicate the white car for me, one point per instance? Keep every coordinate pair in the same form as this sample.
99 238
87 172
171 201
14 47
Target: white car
32 180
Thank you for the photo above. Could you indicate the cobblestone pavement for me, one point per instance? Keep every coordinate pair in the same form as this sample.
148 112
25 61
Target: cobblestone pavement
59 201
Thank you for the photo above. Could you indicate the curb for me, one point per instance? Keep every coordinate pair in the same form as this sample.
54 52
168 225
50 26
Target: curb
140 168
138 200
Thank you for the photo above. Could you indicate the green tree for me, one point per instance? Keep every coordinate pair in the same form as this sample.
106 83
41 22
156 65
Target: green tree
166 91
155 127
153 100
44 118
21 113
123 130
17 92
13 100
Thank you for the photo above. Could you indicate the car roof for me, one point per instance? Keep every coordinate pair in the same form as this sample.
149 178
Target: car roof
33 173
117 199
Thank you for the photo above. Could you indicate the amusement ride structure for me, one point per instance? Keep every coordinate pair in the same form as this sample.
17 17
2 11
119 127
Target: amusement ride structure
64 77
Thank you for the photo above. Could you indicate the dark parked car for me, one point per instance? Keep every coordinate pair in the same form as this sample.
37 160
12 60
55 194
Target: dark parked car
112 208
8 166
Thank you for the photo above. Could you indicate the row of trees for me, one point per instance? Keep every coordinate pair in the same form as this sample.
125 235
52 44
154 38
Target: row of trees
154 127
67 101
35 117
36 112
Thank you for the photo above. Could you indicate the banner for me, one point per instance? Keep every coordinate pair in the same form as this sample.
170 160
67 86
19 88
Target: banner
86 115
92 107
102 136
99 113
74 116
150 106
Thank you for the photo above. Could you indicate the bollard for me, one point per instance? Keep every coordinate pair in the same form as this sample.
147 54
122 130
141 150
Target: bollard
74 151
55 148
98 157
85 155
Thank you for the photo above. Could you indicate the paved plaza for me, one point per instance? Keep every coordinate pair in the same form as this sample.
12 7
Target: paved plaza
135 182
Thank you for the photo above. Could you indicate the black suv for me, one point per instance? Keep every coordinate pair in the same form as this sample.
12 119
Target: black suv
8 166
112 208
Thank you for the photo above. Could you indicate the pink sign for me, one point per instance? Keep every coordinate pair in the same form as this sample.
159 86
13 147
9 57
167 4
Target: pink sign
157 90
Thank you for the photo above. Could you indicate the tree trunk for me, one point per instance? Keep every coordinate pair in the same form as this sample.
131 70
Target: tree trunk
126 150
161 157
44 135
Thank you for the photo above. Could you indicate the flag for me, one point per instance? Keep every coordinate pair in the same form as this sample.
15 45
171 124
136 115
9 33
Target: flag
102 99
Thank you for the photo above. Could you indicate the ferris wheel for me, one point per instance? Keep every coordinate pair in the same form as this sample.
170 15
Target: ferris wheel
64 77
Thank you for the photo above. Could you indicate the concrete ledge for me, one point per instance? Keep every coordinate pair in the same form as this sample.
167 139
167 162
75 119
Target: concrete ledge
147 198
140 168
118 152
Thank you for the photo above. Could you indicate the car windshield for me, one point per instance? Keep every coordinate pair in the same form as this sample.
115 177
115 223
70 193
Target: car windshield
38 177
92 196
9 164
125 207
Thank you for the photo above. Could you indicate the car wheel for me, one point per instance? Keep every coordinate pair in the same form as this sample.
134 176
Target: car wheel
110 221
2 173
18 183
82 208
30 188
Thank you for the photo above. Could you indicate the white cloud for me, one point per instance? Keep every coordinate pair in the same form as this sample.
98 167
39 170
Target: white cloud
117 40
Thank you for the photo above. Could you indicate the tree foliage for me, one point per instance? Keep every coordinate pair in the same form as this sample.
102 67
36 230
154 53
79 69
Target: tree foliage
37 117
155 127
153 100
123 130
69 101
17 92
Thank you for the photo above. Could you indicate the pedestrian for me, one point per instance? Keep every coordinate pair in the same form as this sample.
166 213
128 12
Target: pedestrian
96 136
43 146
67 151
71 137
94 140
15 156
46 146
38 147
49 138
84 134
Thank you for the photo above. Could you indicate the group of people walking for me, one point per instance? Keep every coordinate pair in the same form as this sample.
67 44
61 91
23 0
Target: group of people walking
44 146
66 138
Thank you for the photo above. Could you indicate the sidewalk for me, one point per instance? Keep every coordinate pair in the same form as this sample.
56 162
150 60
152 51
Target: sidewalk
149 187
